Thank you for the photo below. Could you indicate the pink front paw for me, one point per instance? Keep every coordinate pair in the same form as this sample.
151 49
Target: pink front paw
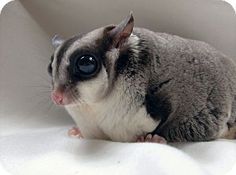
75 132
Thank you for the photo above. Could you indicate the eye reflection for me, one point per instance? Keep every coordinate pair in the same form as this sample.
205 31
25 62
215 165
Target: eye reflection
86 66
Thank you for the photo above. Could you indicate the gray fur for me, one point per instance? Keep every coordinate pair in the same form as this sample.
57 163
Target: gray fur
192 85
201 89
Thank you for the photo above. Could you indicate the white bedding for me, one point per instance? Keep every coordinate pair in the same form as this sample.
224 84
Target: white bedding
33 138
51 151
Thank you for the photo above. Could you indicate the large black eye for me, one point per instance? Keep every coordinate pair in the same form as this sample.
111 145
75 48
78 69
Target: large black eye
86 66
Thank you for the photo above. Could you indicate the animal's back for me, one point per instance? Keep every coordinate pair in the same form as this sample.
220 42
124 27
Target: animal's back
200 88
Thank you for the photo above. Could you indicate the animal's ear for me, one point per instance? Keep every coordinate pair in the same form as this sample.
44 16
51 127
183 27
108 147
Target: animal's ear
57 41
121 32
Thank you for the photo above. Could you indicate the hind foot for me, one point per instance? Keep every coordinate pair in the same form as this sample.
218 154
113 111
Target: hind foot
152 138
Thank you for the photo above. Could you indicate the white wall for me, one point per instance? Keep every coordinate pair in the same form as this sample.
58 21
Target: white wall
26 27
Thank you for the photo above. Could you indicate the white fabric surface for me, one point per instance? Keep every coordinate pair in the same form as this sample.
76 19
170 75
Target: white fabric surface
33 139
51 151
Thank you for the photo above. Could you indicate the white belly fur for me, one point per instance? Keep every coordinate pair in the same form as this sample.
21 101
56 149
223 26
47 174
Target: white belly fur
112 121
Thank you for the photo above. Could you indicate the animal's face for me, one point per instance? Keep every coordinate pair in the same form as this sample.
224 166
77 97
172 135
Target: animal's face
83 67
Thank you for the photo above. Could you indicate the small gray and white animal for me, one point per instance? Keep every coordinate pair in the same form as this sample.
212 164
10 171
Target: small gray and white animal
125 84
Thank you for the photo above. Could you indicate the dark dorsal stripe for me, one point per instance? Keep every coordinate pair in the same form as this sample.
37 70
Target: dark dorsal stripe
65 46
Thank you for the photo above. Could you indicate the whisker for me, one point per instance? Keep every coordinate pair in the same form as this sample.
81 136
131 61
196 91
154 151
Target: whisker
74 98
50 106
43 94
43 86
45 79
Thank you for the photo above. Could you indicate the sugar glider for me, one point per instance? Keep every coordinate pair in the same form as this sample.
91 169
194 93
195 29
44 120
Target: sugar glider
128 84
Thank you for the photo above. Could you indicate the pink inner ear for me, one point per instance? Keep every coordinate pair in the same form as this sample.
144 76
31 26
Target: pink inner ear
127 31
122 31
123 36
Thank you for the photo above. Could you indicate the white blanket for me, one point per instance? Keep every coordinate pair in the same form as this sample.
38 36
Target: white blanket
51 151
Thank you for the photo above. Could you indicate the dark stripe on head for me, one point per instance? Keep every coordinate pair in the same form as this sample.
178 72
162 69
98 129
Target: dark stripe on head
65 46
123 62
144 52
50 66
129 63
103 46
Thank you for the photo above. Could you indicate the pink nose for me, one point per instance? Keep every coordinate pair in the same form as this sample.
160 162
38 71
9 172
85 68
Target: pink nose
57 97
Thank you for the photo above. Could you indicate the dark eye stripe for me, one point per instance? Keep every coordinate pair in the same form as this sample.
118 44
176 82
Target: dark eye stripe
50 65
65 46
